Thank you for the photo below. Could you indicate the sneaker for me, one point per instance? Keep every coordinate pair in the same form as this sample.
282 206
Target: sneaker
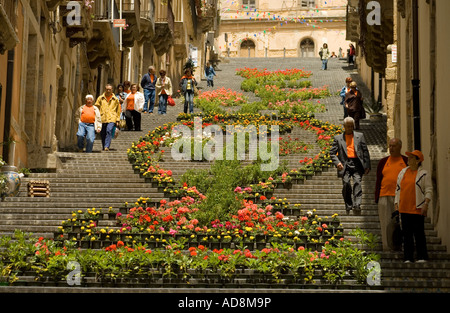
407 261
421 261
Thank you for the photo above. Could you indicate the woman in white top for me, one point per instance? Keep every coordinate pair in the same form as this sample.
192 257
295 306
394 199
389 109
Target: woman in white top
163 90
324 55
132 107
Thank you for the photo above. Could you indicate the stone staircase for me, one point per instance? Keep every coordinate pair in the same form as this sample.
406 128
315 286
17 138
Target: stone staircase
106 179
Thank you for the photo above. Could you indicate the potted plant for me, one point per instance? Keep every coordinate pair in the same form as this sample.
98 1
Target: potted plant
373 108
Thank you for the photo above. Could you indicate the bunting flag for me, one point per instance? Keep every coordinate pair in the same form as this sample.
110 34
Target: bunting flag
313 18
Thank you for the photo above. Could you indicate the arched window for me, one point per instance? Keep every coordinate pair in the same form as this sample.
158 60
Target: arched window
247 49
307 48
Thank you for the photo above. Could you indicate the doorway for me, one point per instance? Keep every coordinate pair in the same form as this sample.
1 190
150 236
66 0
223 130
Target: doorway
247 49
307 48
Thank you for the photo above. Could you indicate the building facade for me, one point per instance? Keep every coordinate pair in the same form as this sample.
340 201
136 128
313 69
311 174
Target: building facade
410 66
55 52
288 28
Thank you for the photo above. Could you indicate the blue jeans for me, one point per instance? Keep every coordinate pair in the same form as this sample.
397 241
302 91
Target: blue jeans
149 94
162 104
189 101
88 131
324 64
106 134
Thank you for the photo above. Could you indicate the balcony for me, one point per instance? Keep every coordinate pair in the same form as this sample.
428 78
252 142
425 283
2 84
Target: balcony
8 36
104 43
147 21
207 15
164 28
78 28
352 20
53 4
131 12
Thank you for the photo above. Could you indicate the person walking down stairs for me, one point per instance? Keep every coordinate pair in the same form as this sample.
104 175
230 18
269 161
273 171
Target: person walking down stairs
388 169
89 122
109 107
412 197
352 159
164 90
132 107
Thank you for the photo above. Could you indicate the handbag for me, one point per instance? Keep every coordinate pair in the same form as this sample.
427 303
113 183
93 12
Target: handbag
195 89
394 231
122 121
115 132
363 112
170 101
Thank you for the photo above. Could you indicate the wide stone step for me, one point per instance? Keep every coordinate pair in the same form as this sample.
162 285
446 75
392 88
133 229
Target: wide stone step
83 180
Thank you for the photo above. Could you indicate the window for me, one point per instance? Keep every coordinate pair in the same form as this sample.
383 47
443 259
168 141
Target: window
307 3
249 4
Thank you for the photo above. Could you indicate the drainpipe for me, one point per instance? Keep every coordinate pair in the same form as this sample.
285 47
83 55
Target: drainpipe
416 81
8 105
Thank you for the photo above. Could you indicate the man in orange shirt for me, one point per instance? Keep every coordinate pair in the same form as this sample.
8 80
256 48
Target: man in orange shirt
89 122
352 159
387 172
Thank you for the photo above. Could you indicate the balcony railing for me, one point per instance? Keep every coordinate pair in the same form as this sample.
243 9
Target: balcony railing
102 10
161 13
147 9
128 5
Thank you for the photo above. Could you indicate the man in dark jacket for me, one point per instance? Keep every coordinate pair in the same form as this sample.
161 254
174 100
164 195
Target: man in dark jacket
352 159
386 183
148 82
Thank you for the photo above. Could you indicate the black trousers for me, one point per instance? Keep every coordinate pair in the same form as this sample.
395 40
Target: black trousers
413 229
352 195
133 117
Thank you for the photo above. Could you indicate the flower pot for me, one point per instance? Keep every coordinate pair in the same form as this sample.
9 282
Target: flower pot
76 229
376 116
85 244
214 245
260 245
12 181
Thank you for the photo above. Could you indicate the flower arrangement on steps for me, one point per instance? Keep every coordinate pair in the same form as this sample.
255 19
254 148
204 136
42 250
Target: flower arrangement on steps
176 243
26 260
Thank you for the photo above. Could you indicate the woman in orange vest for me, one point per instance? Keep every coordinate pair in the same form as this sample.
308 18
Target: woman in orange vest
413 194
132 107
89 122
